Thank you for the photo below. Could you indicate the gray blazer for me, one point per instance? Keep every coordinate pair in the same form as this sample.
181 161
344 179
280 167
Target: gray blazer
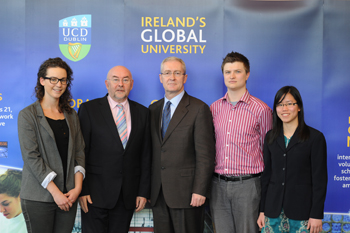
40 154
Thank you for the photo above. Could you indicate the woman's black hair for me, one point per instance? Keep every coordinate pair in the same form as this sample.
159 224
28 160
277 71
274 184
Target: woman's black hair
304 132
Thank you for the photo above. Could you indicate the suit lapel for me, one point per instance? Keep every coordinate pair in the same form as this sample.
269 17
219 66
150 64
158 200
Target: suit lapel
294 140
108 117
42 120
158 118
179 114
133 115
68 118
280 140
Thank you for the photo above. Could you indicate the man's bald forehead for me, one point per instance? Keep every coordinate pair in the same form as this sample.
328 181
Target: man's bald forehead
118 69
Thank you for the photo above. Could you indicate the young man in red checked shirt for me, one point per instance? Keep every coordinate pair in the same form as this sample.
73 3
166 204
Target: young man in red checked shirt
241 122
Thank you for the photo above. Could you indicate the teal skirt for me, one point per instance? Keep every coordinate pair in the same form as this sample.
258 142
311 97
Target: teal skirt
284 224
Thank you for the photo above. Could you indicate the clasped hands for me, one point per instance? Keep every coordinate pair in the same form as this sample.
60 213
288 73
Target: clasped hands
66 200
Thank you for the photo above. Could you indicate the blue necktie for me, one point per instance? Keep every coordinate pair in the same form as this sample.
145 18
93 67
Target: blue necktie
166 118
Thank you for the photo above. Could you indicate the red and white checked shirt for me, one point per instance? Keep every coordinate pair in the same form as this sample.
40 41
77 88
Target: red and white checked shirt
240 132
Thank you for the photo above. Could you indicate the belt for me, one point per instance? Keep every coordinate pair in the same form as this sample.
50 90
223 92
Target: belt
236 178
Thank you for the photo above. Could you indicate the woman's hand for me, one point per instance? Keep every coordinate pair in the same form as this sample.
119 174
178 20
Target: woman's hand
261 220
60 199
73 194
314 225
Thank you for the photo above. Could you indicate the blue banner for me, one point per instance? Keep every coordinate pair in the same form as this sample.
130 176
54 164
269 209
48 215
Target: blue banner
299 43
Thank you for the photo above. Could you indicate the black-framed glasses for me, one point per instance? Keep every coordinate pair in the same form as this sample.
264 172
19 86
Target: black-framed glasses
289 105
54 80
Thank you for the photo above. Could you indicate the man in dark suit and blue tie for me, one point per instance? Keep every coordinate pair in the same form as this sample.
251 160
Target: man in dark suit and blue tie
183 152
117 138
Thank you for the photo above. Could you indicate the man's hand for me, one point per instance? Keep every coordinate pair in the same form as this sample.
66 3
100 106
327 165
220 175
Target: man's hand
83 202
314 225
140 203
197 200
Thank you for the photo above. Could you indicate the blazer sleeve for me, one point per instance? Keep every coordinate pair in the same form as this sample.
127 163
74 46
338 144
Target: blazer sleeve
145 181
204 144
29 137
265 177
85 126
319 175
79 154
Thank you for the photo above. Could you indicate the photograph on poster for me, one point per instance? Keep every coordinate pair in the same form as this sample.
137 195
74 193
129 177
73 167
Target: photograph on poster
11 217
3 150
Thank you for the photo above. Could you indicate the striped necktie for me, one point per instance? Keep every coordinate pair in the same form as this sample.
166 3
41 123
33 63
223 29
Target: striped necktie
166 118
121 125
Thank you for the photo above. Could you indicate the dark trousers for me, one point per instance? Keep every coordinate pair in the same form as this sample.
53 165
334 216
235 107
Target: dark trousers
99 220
170 220
47 217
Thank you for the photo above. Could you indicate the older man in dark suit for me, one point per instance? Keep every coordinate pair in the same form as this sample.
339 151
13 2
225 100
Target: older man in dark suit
117 137
183 154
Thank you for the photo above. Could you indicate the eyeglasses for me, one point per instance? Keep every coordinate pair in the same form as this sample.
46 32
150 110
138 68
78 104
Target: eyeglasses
289 105
54 80
168 73
123 80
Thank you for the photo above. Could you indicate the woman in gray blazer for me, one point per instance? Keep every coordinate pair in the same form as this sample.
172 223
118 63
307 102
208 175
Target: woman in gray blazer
53 152
294 182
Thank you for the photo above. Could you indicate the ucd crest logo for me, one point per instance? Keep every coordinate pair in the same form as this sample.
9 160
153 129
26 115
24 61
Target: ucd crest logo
75 36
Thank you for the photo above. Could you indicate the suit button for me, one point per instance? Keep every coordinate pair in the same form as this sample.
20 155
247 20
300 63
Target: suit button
284 169
163 168
284 155
282 183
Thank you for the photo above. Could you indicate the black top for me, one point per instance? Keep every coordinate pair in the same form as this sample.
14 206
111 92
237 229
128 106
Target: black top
61 131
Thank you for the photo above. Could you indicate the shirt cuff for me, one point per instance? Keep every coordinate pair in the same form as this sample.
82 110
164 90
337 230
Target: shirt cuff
52 175
79 169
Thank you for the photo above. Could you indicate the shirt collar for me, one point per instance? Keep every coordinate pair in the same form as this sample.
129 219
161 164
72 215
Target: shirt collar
113 103
245 97
176 100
